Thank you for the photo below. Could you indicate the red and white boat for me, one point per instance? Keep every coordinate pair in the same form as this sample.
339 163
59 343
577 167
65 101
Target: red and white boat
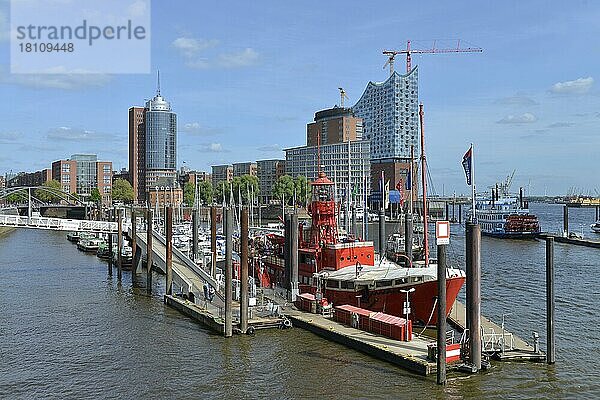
347 272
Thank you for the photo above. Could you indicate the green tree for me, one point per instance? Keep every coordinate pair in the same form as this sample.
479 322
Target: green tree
95 195
222 192
244 185
302 189
47 195
189 194
205 192
284 187
122 191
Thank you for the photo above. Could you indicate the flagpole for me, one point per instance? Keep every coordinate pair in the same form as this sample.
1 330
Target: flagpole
473 214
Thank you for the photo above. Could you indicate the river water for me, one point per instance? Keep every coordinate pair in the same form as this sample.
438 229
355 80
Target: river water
67 330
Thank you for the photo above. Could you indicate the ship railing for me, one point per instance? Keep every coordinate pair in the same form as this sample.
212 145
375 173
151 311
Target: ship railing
494 342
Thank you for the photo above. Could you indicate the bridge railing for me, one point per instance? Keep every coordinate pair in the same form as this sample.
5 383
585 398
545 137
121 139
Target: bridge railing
58 224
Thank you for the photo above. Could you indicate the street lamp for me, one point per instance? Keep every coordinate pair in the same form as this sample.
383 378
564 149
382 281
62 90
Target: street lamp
407 310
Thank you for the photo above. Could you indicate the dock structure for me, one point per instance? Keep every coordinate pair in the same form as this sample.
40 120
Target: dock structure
570 240
411 356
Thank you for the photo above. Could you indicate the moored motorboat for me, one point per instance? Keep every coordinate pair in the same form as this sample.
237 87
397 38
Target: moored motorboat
595 227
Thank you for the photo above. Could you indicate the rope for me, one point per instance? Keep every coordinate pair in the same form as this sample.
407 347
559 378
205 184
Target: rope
430 316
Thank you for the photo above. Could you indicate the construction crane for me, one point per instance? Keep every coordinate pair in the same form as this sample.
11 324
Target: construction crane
433 50
342 96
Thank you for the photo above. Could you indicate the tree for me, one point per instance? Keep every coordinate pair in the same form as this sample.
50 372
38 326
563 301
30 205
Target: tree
205 192
284 187
122 191
95 195
244 185
302 189
189 194
47 195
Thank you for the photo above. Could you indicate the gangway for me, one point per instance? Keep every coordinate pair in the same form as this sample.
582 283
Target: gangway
59 224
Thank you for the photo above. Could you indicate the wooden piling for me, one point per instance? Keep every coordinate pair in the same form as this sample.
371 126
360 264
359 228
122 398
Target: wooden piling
135 257
474 293
228 270
459 213
194 234
149 236
287 259
550 342
169 249
110 244
119 243
244 271
354 226
213 241
441 314
566 220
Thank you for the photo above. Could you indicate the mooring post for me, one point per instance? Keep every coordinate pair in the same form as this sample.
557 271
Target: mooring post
169 255
244 271
459 213
381 233
565 220
473 257
110 244
228 270
597 213
136 258
441 315
294 255
194 234
408 238
447 211
119 243
213 240
550 350
149 235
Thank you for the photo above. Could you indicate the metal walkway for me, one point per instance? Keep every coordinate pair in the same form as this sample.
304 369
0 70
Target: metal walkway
58 224
186 274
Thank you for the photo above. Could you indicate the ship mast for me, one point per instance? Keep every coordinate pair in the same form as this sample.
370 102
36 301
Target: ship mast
424 182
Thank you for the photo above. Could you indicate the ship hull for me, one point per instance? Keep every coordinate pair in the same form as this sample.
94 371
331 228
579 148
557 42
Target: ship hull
511 235
391 301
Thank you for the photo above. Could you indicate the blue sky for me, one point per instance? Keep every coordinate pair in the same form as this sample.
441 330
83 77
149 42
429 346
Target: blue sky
246 77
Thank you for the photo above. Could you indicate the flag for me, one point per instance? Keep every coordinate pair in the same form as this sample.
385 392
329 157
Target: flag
399 187
409 180
466 163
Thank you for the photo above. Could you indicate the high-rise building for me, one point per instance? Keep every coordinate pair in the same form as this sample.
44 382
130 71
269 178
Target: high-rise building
161 140
391 123
246 168
346 163
221 173
334 125
65 172
152 146
268 171
137 153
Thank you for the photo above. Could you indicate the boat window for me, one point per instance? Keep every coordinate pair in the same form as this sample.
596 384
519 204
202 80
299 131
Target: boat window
417 279
383 283
341 258
401 281
347 285
333 284
368 256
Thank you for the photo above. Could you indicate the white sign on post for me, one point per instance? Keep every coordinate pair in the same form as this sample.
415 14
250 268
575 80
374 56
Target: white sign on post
442 232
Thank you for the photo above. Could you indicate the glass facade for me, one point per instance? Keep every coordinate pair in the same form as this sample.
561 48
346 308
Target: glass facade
390 113
86 172
161 135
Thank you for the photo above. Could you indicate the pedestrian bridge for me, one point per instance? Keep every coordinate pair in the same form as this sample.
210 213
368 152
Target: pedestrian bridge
59 224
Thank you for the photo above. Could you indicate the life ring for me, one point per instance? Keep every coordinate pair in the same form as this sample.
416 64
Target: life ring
250 330
287 323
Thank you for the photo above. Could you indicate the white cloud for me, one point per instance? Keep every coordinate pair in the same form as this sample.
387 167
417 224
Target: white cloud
9 137
578 86
561 125
138 8
212 148
65 133
244 58
56 79
525 118
194 128
270 148
190 47
517 100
